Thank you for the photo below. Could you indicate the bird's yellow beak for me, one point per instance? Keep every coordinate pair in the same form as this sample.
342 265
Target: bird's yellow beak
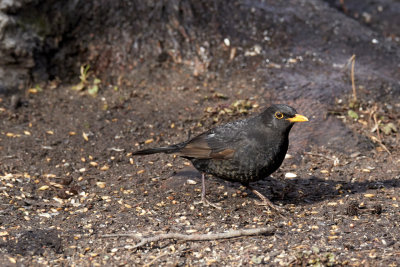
298 118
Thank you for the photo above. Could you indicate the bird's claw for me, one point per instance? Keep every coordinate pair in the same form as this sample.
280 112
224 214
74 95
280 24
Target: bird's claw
271 206
207 203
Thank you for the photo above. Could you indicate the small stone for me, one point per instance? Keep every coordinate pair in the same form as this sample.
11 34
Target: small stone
227 42
290 175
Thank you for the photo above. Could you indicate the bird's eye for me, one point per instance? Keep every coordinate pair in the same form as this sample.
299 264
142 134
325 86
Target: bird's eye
278 115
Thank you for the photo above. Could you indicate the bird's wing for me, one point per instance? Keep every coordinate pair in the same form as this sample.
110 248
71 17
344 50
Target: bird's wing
217 143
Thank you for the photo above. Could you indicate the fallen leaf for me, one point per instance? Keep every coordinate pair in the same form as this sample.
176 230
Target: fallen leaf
352 114
389 128
4 233
44 187
12 260
85 136
101 184
104 168
148 141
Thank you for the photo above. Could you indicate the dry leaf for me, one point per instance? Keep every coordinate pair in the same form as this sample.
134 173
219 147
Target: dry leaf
101 184
44 187
85 136
148 141
104 168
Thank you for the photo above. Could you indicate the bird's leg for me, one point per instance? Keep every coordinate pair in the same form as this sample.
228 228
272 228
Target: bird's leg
204 200
264 200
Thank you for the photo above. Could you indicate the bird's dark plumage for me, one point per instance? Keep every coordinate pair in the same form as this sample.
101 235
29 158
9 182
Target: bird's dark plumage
241 151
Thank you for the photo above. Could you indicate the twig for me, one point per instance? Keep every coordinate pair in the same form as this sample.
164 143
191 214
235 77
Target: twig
371 113
352 60
334 159
377 127
378 139
353 84
155 259
196 237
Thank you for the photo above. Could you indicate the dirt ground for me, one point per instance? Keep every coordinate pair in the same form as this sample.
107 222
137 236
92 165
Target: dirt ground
68 179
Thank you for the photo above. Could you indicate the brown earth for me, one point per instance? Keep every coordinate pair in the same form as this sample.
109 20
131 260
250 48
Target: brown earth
68 178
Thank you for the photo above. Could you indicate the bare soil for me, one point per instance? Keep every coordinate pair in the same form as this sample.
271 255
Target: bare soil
67 177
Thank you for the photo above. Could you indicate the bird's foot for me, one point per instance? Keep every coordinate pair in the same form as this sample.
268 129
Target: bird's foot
269 204
204 200
207 203
265 201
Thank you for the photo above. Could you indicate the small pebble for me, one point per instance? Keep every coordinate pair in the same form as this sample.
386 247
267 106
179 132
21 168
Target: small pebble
290 175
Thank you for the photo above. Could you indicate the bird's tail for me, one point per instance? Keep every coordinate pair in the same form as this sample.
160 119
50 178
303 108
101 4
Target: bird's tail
165 149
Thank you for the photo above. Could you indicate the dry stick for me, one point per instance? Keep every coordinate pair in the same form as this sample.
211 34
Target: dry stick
373 110
156 258
335 160
377 127
353 84
196 237
352 59
379 139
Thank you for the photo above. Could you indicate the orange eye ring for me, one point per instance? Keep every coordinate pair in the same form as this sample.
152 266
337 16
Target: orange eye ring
278 115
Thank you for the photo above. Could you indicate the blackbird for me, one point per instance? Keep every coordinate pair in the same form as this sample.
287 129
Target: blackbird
242 151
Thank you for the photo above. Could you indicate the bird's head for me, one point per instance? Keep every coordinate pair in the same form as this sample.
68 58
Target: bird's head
281 117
